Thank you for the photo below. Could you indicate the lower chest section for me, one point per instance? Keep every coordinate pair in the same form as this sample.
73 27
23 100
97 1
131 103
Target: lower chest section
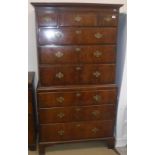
76 113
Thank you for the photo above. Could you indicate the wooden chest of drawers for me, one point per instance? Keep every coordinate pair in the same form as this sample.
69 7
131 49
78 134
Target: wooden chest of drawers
77 59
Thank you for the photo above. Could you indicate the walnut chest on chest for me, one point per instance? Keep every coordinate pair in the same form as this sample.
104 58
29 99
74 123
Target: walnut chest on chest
76 93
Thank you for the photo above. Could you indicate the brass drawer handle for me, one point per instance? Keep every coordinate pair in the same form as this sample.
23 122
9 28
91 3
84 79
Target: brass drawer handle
78 68
95 113
107 19
60 99
78 125
47 19
78 32
97 54
95 130
98 35
77 109
97 98
96 74
59 75
59 54
60 115
61 132
77 18
78 94
77 49
58 35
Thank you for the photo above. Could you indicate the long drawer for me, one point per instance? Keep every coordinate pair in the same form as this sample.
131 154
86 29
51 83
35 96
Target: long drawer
77 54
76 98
76 131
99 35
76 113
77 74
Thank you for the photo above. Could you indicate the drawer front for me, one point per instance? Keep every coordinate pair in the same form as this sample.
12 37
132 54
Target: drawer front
108 19
75 98
78 113
77 35
97 74
47 18
76 131
78 19
58 55
58 75
77 54
77 74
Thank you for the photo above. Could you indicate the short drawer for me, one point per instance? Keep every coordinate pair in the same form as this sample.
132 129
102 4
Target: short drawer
77 35
77 54
76 113
47 18
76 98
108 19
76 131
77 74
75 18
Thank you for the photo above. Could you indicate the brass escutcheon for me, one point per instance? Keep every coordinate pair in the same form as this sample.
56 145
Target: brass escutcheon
97 54
96 74
78 32
60 115
59 75
78 68
78 94
98 35
61 132
97 98
95 130
60 99
77 49
95 113
77 18
59 54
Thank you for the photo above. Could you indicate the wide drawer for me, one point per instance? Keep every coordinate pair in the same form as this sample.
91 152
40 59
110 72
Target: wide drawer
76 131
77 35
76 113
77 54
77 74
76 98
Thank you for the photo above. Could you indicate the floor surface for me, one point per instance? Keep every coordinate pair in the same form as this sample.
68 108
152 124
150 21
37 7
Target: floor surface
89 148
